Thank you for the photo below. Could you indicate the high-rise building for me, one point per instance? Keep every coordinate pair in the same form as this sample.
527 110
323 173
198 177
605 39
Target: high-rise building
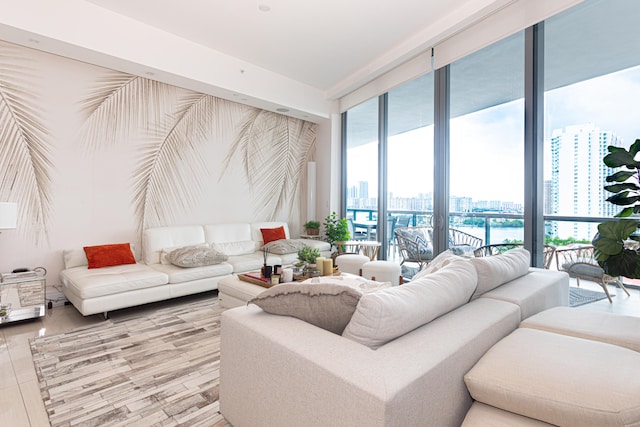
364 189
578 176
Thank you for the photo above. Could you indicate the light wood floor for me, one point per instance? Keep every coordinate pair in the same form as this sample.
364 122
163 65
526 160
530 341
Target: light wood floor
21 405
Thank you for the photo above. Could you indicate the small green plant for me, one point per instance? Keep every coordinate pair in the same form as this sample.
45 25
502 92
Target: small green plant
308 254
336 229
312 227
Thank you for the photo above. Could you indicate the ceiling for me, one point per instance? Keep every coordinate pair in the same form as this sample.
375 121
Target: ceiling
319 43
292 56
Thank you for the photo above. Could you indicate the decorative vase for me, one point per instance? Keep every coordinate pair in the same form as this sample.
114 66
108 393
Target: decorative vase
266 271
313 231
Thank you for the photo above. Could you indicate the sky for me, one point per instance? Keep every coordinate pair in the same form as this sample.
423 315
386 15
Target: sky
487 146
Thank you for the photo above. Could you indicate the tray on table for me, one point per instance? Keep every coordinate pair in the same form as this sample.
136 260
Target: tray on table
256 278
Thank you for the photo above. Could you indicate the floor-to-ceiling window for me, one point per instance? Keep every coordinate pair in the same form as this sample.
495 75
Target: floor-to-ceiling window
362 163
409 156
486 172
591 80
592 84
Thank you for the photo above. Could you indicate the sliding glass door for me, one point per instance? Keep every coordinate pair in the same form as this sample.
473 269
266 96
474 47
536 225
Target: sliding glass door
592 82
409 157
486 171
362 165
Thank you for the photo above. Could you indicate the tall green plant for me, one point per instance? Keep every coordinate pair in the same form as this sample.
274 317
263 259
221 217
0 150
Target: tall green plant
611 249
336 229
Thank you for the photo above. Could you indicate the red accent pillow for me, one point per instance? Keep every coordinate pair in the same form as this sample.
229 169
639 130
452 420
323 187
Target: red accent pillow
272 234
109 255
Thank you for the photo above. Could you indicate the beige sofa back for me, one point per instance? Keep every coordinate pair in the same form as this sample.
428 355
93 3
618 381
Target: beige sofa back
416 379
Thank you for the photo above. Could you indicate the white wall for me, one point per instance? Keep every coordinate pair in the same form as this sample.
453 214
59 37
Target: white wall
112 154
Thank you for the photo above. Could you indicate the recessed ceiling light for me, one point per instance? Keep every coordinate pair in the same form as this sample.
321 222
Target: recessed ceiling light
282 110
264 8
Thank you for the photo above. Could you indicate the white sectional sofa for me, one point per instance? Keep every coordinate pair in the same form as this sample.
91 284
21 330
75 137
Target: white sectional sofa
100 290
280 370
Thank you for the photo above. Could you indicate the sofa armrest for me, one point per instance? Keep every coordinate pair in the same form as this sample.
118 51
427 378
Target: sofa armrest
289 372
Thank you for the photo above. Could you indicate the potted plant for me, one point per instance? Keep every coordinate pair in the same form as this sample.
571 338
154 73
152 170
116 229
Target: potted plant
308 254
312 227
611 243
336 229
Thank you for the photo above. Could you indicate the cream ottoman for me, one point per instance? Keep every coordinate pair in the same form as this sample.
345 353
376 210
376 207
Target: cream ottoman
382 271
593 325
559 379
351 263
233 292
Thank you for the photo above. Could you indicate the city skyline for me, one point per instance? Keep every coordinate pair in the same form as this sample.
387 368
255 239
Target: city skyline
595 102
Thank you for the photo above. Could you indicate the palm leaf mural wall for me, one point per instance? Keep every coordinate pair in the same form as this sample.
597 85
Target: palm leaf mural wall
273 150
119 105
177 126
25 166
172 170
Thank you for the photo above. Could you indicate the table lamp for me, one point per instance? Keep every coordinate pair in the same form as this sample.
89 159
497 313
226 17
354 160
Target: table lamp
8 215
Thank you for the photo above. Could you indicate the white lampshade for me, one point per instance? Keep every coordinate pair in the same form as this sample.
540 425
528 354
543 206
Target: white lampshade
8 215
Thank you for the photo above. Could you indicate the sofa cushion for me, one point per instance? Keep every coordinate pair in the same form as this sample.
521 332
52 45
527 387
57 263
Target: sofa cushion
156 239
284 246
559 379
243 247
252 262
534 292
326 305
611 328
389 313
195 256
495 270
481 415
182 275
272 234
96 282
164 256
109 255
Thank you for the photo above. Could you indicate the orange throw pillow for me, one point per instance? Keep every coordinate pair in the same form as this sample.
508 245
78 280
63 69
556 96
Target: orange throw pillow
272 234
109 255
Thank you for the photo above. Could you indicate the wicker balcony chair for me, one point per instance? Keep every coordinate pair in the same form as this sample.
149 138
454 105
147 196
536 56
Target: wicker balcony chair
462 243
415 244
499 248
580 264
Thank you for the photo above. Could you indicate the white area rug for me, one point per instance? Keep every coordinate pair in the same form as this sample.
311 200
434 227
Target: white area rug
161 369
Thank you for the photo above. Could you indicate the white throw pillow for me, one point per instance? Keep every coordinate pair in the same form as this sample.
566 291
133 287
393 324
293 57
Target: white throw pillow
437 263
392 312
496 270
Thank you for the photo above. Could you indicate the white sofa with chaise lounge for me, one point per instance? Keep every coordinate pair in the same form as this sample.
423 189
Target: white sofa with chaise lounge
151 278
281 370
